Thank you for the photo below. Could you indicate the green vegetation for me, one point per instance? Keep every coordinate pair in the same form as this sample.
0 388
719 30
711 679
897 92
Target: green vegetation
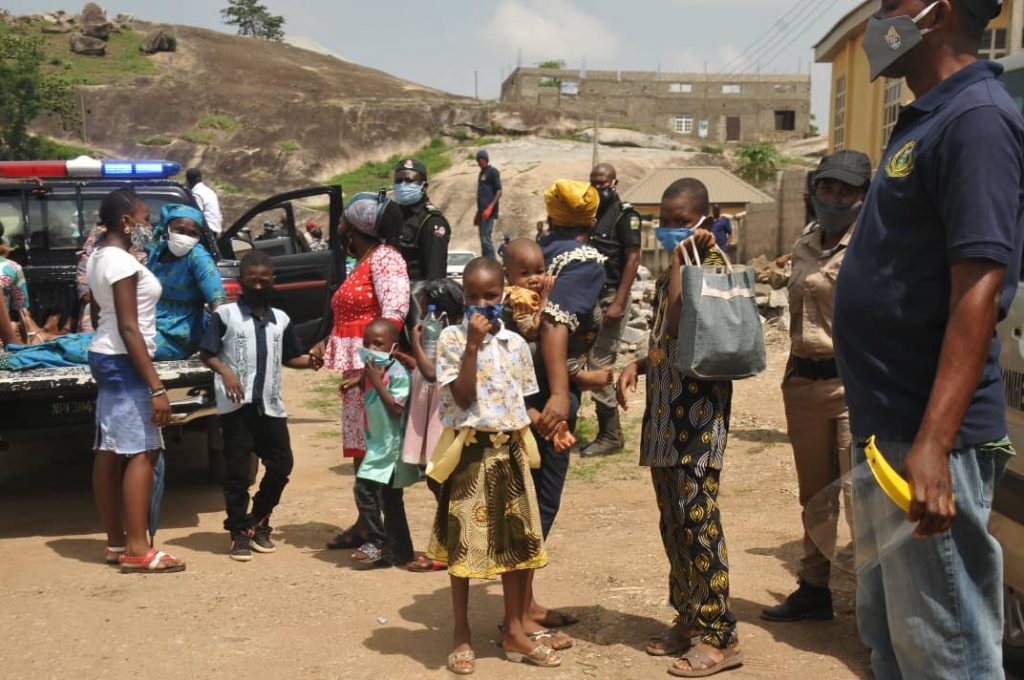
197 137
713 149
758 162
289 146
122 63
219 122
373 175
27 92
551 64
52 149
156 140
253 19
229 188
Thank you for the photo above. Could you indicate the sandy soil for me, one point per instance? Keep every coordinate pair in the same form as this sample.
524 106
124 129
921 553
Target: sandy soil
307 613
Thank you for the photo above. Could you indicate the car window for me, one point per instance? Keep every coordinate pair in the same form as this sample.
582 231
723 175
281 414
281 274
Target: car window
53 221
460 259
12 221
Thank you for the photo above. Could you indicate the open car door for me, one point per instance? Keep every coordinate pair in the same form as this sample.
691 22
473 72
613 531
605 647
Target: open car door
302 278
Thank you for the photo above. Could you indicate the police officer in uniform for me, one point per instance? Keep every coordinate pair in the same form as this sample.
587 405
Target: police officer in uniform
617 236
422 232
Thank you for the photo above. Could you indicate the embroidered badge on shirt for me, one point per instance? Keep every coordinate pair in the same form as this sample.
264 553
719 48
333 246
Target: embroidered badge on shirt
901 163
440 231
634 223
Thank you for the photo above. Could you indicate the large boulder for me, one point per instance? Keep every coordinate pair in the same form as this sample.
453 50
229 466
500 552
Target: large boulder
124 20
93 22
57 27
158 41
83 44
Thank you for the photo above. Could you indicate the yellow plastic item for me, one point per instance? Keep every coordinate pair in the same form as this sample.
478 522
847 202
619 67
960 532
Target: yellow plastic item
892 483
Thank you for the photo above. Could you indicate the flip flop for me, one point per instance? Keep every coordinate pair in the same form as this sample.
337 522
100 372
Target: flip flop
702 665
112 554
424 564
153 562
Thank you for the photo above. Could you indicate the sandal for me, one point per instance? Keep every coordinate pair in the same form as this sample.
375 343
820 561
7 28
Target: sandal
111 554
368 553
468 660
347 539
556 641
562 619
701 665
542 656
670 642
153 562
425 564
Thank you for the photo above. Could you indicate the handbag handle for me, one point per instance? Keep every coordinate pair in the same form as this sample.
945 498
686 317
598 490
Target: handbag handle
686 256
728 264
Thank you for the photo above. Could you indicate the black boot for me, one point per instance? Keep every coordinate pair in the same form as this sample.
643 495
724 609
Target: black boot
610 438
808 602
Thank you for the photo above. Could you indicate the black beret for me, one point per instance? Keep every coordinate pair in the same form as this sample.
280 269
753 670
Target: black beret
412 164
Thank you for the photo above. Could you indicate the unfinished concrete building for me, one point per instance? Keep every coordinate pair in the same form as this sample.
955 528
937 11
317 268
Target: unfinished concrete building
713 107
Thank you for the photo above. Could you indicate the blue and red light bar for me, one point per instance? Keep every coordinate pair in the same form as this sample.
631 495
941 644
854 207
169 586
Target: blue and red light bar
83 166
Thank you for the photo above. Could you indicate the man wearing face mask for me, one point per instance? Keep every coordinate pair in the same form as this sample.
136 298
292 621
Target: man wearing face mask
816 416
616 236
423 235
931 269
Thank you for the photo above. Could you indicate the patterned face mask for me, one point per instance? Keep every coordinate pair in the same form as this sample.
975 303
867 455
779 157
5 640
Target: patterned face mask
490 312
142 236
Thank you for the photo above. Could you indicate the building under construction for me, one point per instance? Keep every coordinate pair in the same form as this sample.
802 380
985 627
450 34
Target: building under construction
713 107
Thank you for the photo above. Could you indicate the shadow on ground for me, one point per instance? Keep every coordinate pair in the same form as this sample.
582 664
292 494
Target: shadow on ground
759 435
430 643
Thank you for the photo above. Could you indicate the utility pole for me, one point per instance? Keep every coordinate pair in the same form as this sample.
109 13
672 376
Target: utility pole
594 159
476 84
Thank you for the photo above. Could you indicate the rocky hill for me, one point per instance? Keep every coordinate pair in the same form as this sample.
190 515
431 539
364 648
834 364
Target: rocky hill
257 115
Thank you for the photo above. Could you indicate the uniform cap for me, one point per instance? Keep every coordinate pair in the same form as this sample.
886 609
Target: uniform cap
412 164
849 167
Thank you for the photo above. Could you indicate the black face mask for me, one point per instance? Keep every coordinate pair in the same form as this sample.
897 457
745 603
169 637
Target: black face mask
259 297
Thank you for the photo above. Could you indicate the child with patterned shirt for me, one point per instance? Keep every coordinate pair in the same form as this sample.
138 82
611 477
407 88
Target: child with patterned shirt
488 521
383 475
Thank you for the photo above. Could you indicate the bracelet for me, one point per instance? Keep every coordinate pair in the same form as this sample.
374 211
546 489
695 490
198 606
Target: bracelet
158 392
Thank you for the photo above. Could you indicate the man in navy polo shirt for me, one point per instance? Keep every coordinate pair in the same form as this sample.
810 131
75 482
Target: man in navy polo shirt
929 272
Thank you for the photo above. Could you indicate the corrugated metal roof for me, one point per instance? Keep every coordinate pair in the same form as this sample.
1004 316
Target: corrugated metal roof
723 186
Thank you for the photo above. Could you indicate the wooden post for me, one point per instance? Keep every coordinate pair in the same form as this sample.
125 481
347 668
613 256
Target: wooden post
1016 37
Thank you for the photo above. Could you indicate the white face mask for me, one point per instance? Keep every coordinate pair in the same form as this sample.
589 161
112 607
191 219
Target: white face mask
180 244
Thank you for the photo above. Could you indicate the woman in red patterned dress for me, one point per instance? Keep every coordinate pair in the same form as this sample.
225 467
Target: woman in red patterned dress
377 287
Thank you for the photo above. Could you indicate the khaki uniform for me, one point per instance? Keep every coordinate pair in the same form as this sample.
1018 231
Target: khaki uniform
816 415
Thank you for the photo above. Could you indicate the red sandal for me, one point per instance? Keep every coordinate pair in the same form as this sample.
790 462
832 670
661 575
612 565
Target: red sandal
153 562
425 564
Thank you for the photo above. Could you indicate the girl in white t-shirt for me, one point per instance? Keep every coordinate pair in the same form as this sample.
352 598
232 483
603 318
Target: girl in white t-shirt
131 404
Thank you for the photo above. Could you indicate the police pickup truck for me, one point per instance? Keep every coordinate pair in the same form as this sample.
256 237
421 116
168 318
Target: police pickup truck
1007 523
46 222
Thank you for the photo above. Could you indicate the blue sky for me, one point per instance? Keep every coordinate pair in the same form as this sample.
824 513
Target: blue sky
442 43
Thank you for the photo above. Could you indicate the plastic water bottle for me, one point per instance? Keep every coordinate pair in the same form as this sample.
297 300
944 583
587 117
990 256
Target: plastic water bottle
432 326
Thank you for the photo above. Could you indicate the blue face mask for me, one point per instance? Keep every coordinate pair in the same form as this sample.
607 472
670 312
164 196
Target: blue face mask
372 356
670 237
408 193
490 312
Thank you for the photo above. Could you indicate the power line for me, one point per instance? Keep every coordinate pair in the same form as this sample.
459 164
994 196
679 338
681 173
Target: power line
778 27
811 20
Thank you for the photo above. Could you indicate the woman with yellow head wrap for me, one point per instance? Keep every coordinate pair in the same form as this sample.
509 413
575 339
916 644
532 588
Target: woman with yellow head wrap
571 203
571 319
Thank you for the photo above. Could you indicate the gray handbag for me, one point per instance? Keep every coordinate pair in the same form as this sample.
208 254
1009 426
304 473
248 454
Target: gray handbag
720 332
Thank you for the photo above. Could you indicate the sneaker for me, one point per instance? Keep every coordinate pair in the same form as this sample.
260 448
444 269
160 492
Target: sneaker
261 542
808 602
240 547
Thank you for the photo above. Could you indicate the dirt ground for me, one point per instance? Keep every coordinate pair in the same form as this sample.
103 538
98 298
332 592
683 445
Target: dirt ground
305 612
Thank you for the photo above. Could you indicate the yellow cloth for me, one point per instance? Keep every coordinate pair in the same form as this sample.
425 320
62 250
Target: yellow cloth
448 451
571 203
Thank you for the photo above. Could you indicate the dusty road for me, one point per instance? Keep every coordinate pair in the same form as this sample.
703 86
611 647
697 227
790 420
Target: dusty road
307 613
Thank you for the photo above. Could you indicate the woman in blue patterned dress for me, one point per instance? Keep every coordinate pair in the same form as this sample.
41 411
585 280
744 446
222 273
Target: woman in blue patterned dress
181 260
